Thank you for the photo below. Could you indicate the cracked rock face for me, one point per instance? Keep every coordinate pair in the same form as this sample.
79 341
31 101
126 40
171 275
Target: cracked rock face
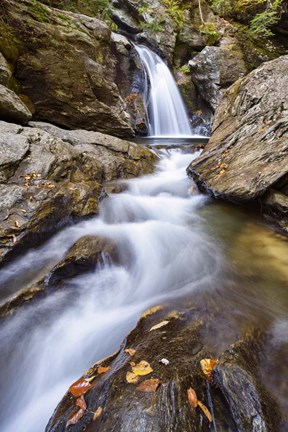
247 154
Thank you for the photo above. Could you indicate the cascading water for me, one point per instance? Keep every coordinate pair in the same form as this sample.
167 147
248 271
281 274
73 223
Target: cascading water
49 344
165 108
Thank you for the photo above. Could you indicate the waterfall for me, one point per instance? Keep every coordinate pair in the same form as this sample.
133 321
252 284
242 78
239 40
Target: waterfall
165 108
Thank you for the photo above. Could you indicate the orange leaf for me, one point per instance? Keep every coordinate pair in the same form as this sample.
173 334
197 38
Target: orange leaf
150 385
192 397
205 411
130 351
207 365
103 369
80 387
74 418
97 413
81 403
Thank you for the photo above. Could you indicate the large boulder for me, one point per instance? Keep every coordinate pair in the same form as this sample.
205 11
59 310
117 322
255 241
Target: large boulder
67 65
47 181
5 71
170 347
247 155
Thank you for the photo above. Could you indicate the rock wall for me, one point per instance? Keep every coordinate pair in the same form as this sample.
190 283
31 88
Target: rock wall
247 156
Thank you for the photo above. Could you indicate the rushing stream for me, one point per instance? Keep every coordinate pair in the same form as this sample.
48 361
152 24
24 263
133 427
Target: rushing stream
177 246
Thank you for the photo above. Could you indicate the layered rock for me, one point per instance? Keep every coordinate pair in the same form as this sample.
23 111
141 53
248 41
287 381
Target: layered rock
247 156
50 178
67 65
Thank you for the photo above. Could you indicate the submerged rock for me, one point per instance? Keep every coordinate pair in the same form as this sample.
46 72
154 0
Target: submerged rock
247 154
171 345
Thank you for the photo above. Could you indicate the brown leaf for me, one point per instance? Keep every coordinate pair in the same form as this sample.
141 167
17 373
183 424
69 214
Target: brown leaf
97 413
131 378
81 403
142 368
205 411
150 385
80 387
74 418
207 365
157 326
192 397
130 351
103 369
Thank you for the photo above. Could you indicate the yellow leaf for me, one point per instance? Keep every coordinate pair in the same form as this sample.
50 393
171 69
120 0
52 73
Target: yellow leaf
151 311
192 397
97 413
205 411
130 351
103 369
131 378
157 326
207 365
142 368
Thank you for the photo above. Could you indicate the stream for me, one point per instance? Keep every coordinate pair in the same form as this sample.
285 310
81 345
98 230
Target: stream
178 245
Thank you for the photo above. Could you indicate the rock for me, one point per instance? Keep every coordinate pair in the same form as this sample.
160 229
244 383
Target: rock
216 68
5 71
137 112
12 108
46 182
173 351
68 68
248 150
82 257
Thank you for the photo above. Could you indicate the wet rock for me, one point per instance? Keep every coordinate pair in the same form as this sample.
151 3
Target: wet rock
12 108
137 112
5 71
83 257
173 351
248 150
46 182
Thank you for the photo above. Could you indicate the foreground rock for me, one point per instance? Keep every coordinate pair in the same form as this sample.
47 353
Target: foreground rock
12 108
247 156
46 181
173 350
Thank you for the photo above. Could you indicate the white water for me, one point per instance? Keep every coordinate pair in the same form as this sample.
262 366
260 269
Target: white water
165 108
47 346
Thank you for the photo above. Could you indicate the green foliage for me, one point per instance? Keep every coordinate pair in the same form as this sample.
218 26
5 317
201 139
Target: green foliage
263 21
210 33
154 26
176 11
185 69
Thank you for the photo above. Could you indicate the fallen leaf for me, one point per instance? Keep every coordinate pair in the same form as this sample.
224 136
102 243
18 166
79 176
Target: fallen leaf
130 351
81 403
207 365
14 238
205 411
103 369
74 418
151 311
150 385
17 224
142 368
131 378
90 378
192 397
80 387
157 326
97 413
132 364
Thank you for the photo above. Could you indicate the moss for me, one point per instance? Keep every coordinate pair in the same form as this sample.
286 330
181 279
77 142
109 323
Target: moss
10 46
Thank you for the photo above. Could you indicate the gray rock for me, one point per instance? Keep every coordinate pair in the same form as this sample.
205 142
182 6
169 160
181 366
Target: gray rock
248 150
5 71
12 108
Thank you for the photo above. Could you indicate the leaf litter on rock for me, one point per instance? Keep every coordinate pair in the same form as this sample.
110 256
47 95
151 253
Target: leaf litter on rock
80 387
157 326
